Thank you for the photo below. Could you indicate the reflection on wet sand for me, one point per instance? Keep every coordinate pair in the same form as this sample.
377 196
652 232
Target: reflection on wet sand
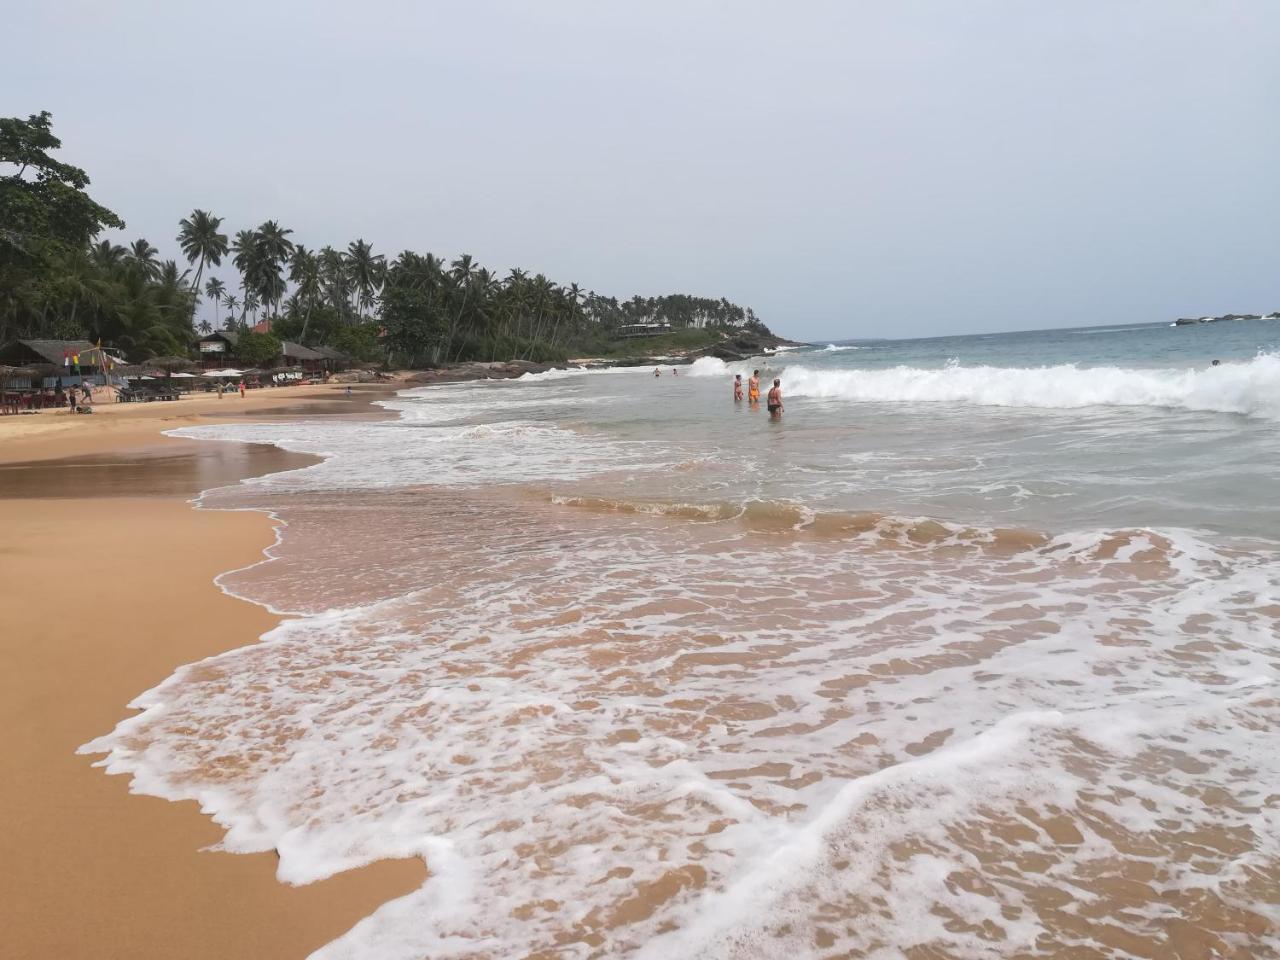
168 468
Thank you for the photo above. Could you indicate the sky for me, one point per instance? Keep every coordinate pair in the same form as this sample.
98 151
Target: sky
848 169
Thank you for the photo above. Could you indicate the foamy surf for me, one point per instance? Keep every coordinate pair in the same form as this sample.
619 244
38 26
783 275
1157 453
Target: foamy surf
637 672
604 740
1250 387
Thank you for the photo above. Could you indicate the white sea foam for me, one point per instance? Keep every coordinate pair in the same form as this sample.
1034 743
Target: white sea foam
603 740
656 729
837 348
414 450
1250 387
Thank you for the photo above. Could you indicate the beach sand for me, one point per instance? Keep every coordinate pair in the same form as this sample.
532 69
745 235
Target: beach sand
107 583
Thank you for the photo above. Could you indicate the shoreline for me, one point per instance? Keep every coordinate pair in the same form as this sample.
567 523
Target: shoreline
118 584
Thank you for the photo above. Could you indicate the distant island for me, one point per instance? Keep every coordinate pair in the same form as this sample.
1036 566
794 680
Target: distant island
1188 321
58 281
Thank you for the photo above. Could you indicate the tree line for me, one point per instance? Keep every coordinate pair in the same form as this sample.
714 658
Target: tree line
59 281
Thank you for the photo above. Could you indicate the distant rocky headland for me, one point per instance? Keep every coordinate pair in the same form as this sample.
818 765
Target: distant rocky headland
1187 321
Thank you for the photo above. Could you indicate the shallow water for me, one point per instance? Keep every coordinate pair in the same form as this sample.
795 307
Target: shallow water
980 672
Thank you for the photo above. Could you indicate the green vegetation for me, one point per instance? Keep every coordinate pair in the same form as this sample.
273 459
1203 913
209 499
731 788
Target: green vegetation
256 349
414 310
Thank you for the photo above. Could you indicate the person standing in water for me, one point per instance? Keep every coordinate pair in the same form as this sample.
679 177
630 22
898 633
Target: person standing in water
737 388
753 388
774 400
657 372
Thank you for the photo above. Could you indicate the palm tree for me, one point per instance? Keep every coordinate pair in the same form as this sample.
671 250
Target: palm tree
230 301
249 306
274 248
200 241
304 271
205 326
145 257
247 259
366 271
214 289
108 255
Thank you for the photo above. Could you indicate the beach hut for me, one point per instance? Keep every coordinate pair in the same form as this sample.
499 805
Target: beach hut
331 360
217 348
72 361
296 356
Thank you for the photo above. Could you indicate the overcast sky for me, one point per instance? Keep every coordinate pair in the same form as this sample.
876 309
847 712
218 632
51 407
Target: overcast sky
849 169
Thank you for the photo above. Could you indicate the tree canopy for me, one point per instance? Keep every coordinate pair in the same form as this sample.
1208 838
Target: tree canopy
58 280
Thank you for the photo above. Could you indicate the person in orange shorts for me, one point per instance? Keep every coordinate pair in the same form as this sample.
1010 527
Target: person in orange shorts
753 388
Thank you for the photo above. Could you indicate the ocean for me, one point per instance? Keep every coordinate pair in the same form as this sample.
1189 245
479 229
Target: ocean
972 653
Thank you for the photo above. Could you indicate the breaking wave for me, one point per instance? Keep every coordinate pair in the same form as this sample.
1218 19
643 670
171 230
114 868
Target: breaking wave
1251 388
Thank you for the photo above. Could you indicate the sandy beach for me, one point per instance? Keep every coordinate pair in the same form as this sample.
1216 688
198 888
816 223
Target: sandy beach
108 572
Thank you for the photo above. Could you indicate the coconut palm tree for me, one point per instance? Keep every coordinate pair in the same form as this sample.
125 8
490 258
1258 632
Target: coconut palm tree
108 255
246 257
304 271
366 271
201 242
230 301
214 289
274 248
145 257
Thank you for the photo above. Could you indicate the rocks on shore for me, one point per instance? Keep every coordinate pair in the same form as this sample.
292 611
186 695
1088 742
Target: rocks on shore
1188 321
460 372
743 346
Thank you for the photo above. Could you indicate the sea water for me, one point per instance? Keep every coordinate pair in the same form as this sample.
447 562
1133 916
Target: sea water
972 653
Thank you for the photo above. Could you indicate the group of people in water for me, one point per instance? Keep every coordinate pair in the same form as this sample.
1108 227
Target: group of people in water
773 402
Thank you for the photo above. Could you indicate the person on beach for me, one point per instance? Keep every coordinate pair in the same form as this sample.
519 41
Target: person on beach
241 389
219 391
774 400
71 400
737 388
657 372
753 388
674 372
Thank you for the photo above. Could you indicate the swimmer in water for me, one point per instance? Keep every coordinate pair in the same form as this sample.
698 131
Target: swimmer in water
657 372
674 372
753 388
737 388
774 400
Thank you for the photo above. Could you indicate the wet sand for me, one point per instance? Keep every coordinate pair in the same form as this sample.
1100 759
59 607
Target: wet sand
121 426
108 585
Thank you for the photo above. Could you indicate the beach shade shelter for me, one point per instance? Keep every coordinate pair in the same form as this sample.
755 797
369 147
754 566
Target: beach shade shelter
296 355
332 360
170 365
14 381
72 359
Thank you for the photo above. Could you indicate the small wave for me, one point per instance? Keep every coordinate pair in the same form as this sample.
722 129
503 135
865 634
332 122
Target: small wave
1251 388
838 348
781 516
